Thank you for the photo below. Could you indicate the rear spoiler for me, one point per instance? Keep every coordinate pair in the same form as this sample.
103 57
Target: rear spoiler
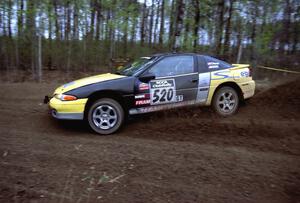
239 66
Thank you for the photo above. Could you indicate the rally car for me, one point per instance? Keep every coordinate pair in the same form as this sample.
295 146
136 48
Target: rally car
149 84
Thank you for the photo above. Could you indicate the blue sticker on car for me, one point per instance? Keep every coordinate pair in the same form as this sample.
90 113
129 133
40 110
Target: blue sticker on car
221 75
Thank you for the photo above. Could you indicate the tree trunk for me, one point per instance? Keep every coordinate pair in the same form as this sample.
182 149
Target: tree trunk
49 62
68 21
219 30
20 7
133 30
296 34
84 54
75 22
31 32
178 25
69 42
228 30
156 24
57 29
92 25
239 45
162 23
253 32
125 34
196 25
171 25
143 22
151 24
9 24
1 23
186 33
3 20
111 38
39 64
98 19
285 36
20 16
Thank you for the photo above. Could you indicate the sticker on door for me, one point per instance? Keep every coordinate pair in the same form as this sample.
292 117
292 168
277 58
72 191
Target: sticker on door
162 91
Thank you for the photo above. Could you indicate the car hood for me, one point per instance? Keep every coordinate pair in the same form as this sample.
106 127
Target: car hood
86 81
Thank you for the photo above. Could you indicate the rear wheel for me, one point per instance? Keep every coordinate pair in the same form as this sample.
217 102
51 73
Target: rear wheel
105 116
226 101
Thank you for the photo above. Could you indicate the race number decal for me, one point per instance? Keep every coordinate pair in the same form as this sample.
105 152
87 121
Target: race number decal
162 91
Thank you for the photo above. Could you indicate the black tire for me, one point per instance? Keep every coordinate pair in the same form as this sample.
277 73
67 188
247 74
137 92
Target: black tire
226 101
102 120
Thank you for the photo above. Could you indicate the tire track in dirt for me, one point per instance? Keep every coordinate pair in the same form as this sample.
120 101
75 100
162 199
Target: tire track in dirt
186 155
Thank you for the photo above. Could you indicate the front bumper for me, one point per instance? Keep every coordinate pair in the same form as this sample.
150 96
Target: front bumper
66 116
69 110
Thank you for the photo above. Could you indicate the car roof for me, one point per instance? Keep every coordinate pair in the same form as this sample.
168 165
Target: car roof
175 53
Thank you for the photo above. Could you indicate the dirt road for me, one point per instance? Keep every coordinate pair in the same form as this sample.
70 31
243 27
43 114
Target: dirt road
188 155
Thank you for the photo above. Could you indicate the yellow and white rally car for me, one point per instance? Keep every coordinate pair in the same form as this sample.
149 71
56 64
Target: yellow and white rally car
159 82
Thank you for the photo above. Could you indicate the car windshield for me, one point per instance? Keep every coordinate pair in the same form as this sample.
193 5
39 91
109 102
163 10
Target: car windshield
134 67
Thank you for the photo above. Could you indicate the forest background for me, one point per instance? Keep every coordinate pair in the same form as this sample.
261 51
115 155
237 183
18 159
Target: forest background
94 35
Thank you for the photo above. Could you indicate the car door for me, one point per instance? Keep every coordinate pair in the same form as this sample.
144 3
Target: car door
176 80
204 80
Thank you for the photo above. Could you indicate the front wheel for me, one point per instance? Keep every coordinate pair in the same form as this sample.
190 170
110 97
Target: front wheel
226 101
105 116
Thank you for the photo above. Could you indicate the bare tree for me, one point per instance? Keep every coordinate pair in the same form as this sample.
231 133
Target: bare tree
151 23
162 22
255 12
143 22
98 18
196 6
228 29
156 22
57 27
219 30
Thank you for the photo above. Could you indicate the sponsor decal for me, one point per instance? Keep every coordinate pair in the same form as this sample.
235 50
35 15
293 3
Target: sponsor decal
179 98
142 102
142 96
162 83
143 86
162 91
212 65
161 107
245 74
221 75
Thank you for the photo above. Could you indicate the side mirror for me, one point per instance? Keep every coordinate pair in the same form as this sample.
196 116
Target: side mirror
147 77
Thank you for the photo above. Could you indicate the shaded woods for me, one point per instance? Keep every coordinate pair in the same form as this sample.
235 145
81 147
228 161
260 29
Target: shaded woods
85 35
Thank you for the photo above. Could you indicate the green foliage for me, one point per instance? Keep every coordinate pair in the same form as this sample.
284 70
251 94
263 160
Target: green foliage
259 25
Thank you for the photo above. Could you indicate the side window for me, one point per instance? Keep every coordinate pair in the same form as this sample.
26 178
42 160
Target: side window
173 65
214 63
202 65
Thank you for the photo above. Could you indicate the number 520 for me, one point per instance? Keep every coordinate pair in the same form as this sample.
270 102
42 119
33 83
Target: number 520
163 95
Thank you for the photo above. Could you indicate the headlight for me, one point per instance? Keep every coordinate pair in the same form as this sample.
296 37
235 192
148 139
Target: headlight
64 97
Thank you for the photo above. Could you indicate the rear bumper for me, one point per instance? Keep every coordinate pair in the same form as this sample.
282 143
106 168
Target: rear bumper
69 110
248 89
